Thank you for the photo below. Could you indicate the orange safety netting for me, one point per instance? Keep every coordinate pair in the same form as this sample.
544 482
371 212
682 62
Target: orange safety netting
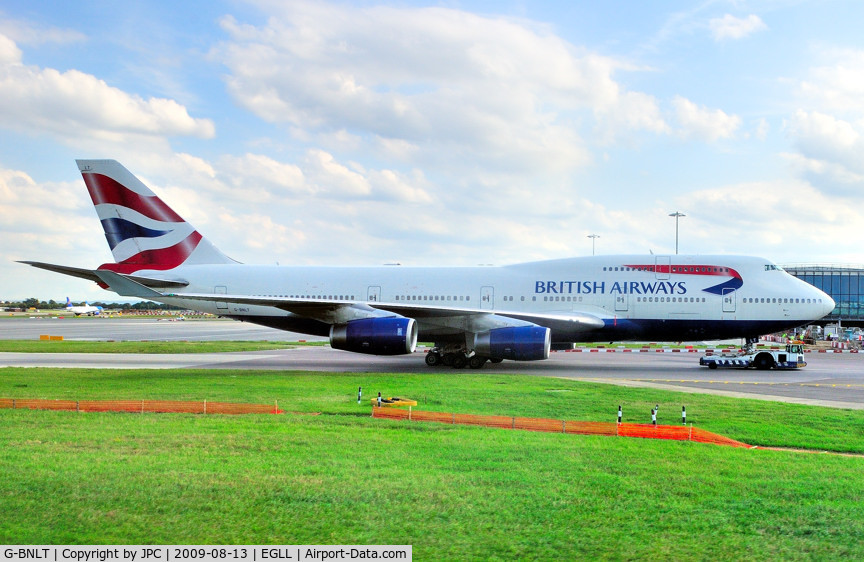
677 433
151 406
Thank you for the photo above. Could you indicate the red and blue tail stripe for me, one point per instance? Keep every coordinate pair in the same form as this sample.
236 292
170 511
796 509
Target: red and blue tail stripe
148 227
106 191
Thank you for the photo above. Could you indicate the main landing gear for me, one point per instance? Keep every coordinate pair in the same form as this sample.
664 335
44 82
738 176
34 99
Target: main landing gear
457 359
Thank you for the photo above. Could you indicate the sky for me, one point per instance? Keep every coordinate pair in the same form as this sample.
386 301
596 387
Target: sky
449 133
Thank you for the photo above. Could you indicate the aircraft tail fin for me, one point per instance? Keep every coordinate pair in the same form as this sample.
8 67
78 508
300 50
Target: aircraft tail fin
142 231
68 303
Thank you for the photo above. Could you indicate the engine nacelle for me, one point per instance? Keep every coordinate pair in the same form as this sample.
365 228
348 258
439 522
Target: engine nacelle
376 336
526 343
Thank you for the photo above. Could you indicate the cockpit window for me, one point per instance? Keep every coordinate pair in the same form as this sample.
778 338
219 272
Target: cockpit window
772 267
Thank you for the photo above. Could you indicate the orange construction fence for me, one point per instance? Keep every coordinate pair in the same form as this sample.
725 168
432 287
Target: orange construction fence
141 406
612 429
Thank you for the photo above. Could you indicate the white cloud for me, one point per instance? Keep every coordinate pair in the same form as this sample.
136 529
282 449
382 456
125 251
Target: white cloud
394 186
27 33
51 221
824 131
702 123
762 129
634 111
837 85
780 220
828 128
73 105
437 81
329 176
830 152
840 178
730 27
260 174
9 51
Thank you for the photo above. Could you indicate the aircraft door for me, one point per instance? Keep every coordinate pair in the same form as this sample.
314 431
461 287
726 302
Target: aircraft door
622 302
729 300
487 298
374 294
662 267
221 290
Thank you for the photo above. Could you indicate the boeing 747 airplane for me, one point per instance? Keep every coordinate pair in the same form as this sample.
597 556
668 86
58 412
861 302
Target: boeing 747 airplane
472 314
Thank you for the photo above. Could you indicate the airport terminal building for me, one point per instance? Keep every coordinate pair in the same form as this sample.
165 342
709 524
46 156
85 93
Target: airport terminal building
845 284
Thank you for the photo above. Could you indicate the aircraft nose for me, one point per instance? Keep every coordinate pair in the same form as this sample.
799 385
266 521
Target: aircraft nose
828 304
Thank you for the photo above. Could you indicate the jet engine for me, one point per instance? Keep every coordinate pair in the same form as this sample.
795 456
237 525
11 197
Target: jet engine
376 336
525 343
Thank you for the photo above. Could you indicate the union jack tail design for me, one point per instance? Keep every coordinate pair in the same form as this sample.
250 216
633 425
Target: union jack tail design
142 231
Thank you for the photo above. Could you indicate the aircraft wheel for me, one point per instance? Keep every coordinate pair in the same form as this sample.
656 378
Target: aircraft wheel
459 361
476 362
496 360
712 365
763 362
433 359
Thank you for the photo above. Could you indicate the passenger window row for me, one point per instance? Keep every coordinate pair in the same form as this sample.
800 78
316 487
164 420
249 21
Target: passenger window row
418 298
765 300
670 299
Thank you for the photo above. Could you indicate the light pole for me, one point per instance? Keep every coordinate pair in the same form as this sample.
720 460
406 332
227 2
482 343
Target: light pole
677 215
593 237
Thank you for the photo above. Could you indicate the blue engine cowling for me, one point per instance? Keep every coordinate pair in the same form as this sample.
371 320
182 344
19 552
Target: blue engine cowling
526 343
376 336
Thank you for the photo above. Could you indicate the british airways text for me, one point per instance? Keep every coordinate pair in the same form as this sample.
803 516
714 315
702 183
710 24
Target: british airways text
600 287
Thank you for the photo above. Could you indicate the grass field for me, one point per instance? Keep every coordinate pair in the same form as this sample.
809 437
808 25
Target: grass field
452 492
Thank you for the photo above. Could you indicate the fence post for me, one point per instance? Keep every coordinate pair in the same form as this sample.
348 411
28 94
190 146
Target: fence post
77 405
13 403
690 436
563 426
513 426
409 413
454 418
205 406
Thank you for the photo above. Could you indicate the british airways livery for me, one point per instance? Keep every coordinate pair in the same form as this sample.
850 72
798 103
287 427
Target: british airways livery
472 314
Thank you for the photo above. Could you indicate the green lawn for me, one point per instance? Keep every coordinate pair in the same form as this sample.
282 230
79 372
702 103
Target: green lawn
453 492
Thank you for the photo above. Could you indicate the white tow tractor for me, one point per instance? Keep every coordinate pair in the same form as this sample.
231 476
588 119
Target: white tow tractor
790 358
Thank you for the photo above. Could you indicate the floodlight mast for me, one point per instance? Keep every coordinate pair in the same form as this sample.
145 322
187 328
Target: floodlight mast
593 237
677 215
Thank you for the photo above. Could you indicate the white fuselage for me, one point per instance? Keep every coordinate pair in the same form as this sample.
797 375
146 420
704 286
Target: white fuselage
667 298
86 310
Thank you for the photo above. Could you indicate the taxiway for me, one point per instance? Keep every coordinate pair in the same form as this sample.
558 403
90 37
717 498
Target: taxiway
835 380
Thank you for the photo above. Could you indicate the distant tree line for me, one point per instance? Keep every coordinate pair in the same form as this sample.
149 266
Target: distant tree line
54 305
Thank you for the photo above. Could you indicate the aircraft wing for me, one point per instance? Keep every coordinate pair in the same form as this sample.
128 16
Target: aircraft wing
94 275
335 311
568 322
468 319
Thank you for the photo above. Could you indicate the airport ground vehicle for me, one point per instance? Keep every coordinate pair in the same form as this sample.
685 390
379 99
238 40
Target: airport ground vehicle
792 357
